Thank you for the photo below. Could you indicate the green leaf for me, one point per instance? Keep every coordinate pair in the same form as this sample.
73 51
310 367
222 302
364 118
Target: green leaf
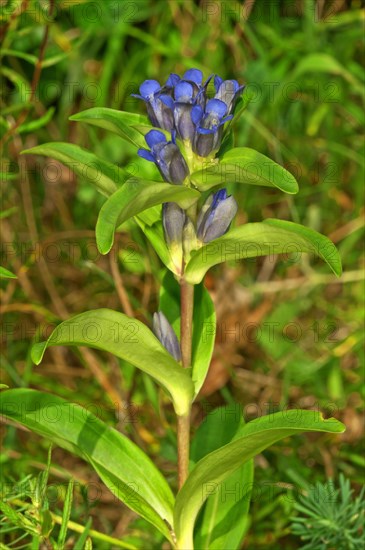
154 233
139 484
118 122
226 145
134 197
128 339
218 427
19 81
325 63
6 274
102 174
150 216
245 165
22 55
8 212
82 541
34 59
67 508
262 239
169 302
40 493
204 330
223 519
225 516
220 464
18 519
47 523
34 125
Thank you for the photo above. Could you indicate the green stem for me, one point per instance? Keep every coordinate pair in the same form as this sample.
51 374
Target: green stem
183 444
186 328
183 422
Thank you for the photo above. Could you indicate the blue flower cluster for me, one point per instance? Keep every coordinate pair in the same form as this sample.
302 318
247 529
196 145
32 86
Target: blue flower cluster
181 106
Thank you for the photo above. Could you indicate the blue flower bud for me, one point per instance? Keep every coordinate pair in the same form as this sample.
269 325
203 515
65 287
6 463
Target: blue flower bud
172 80
190 242
165 333
195 78
215 216
166 155
209 126
188 91
156 99
227 91
194 75
184 101
173 221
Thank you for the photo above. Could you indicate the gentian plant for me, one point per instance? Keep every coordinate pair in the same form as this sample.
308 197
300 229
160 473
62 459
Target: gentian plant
187 216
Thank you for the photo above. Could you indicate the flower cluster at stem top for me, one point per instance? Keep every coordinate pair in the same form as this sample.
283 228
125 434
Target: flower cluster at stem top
196 123
181 106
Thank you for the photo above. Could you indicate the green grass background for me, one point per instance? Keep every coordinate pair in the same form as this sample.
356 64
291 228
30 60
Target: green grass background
301 62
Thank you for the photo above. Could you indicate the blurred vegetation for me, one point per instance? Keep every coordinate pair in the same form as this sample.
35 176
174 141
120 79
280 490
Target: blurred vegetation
289 333
330 517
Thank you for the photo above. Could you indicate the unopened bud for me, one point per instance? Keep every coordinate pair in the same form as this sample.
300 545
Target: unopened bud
216 216
173 220
189 239
165 333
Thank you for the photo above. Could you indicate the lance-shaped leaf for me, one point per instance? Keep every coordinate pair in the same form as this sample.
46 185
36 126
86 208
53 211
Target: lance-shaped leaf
220 464
134 197
155 234
34 125
225 516
223 520
170 300
6 274
105 176
204 330
262 239
128 339
245 165
118 122
124 468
